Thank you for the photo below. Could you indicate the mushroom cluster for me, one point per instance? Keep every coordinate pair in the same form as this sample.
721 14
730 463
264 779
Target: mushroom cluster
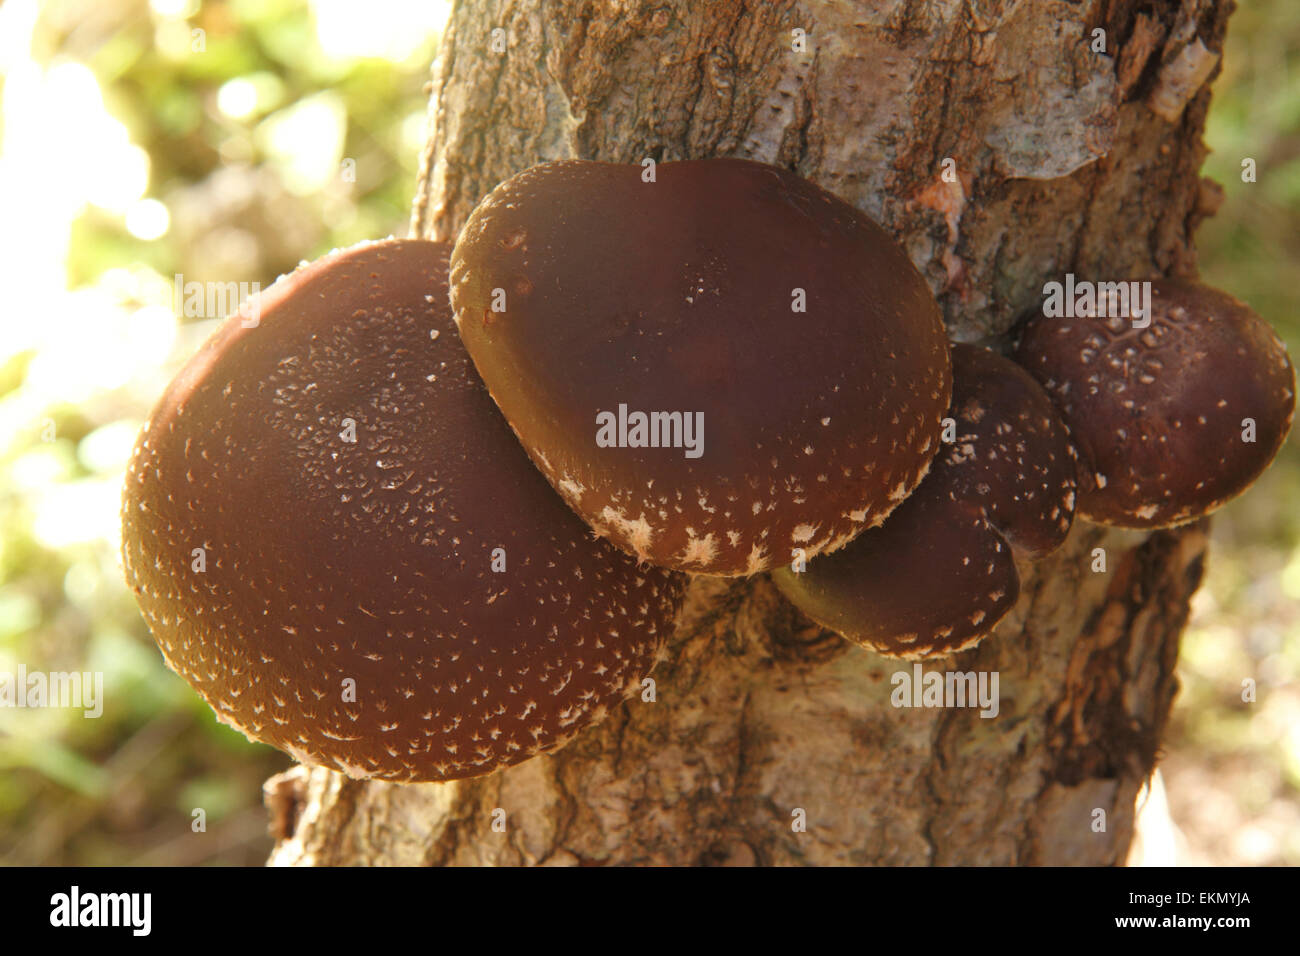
940 572
1168 416
334 529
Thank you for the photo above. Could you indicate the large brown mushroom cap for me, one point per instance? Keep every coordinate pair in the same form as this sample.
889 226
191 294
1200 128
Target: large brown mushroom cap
1159 413
940 573
682 295
372 560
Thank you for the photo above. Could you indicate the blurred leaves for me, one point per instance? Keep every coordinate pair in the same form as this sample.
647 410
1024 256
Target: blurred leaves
1232 765
245 126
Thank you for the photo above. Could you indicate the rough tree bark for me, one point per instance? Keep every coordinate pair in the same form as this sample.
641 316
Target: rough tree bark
1067 160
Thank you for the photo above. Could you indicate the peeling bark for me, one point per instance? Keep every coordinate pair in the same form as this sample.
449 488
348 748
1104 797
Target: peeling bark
1061 166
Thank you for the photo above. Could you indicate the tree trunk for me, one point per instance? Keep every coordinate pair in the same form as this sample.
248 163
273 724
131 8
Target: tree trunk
1066 159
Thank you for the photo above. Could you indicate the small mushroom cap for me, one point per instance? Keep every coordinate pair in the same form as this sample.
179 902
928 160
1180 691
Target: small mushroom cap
349 479
731 293
1159 413
940 573
932 581
1012 454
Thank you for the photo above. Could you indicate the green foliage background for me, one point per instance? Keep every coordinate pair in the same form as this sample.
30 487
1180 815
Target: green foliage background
122 789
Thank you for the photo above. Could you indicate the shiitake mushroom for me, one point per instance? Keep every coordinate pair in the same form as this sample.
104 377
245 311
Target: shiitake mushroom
338 542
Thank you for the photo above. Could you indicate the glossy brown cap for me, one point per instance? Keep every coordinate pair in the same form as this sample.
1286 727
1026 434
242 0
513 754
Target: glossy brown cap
1012 455
728 292
348 611
932 581
1158 413
940 574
